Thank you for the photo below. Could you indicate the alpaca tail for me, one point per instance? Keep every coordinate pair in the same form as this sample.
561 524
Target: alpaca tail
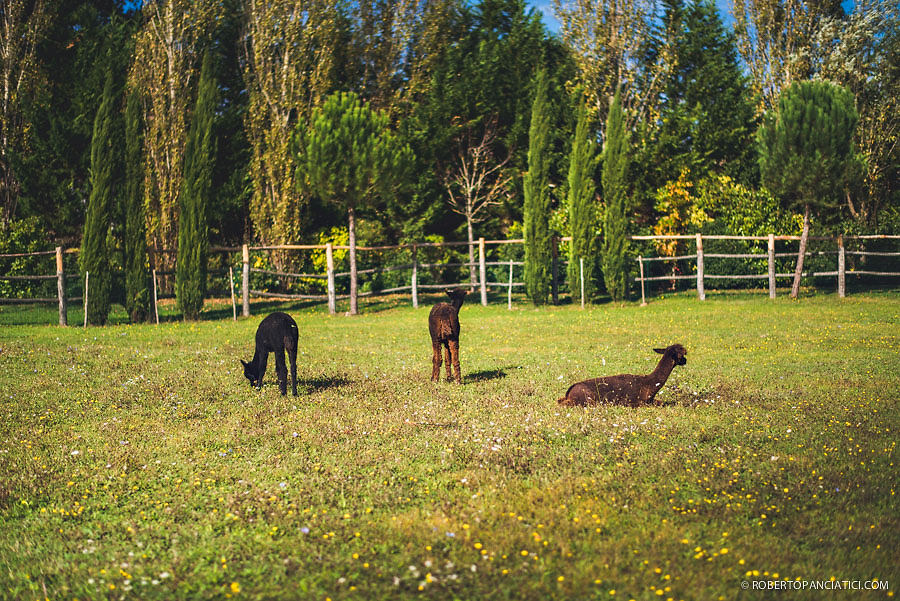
445 329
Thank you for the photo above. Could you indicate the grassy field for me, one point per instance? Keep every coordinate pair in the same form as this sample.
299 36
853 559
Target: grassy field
137 463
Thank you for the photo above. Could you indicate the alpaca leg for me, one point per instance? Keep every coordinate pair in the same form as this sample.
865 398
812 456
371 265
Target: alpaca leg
281 371
436 361
454 355
292 357
263 359
448 361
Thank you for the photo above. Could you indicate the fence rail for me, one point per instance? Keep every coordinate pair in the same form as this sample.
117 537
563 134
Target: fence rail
478 267
700 276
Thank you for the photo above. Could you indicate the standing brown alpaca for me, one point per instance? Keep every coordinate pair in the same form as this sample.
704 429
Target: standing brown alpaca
626 389
443 323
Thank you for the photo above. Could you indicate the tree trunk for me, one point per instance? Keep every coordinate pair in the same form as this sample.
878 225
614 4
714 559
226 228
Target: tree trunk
472 278
795 289
351 225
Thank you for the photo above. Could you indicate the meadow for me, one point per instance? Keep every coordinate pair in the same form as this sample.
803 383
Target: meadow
137 463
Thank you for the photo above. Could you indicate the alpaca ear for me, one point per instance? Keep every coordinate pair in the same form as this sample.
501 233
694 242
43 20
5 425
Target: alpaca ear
244 363
661 351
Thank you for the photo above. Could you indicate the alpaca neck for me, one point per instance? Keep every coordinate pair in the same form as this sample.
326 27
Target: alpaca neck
257 359
663 370
457 303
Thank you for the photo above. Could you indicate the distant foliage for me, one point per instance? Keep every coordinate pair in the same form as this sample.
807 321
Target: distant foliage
165 70
348 156
806 145
137 262
615 192
584 211
23 236
537 198
97 241
806 154
193 229
678 213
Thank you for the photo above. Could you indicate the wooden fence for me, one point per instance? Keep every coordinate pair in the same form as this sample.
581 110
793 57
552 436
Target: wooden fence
701 275
482 283
481 264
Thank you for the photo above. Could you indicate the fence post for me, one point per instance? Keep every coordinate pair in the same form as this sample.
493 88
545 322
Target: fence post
245 280
231 284
509 290
482 271
842 274
581 277
61 288
415 276
554 249
701 293
155 303
771 265
641 266
329 262
87 276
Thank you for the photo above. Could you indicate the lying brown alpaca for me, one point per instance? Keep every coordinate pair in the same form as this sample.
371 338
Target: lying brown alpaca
626 389
443 323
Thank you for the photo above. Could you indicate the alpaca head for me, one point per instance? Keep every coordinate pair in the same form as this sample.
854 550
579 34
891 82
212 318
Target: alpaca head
250 372
457 296
676 352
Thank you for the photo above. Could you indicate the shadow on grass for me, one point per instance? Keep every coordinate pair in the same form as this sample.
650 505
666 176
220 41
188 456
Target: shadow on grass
486 375
320 383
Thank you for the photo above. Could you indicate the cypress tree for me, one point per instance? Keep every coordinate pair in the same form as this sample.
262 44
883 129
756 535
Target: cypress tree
582 204
193 231
106 166
615 222
806 152
537 197
137 271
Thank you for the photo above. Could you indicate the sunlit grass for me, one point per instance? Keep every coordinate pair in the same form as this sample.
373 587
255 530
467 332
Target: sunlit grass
136 461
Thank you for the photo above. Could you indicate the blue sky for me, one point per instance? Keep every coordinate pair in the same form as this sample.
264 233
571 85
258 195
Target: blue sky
546 8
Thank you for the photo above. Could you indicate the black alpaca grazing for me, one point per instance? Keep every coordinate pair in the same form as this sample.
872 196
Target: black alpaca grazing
276 333
627 389
443 323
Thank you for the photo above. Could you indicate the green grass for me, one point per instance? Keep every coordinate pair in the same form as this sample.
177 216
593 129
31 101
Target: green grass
137 463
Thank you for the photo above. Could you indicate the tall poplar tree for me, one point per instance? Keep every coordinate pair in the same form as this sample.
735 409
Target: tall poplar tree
350 157
615 192
193 229
137 271
21 28
806 152
537 197
165 70
106 167
289 59
582 202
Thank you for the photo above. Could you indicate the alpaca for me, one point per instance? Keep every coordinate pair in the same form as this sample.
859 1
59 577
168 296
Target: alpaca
443 323
626 389
275 334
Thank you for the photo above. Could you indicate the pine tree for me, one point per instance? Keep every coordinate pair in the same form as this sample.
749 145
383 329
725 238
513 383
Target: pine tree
615 192
806 151
583 214
106 165
537 197
193 231
137 272
350 157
